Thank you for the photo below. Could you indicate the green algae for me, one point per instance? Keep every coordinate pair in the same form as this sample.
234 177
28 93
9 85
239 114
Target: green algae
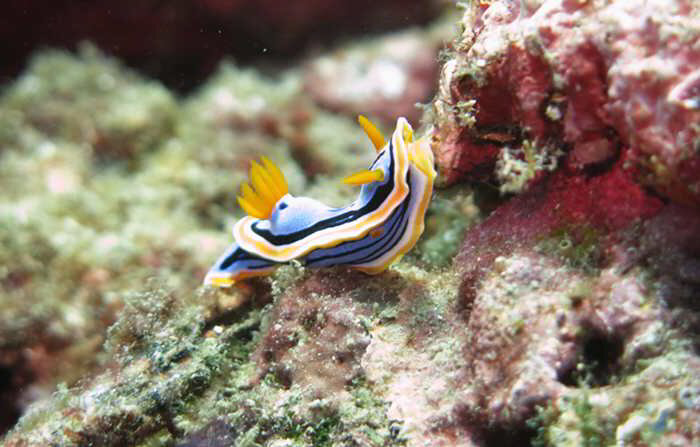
105 187
90 98
642 405
517 167
166 364
579 246
450 213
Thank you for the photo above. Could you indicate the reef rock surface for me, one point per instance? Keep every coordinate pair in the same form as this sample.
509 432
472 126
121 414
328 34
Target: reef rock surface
552 300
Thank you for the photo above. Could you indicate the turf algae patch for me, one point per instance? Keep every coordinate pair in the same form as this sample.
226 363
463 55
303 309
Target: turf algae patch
92 99
163 365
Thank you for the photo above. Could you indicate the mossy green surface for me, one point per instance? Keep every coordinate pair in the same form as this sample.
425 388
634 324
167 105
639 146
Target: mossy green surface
579 246
450 214
638 411
117 196
88 100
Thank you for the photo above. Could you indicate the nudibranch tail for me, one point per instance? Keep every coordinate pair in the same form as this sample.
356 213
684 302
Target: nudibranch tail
421 156
270 186
411 215
375 230
235 265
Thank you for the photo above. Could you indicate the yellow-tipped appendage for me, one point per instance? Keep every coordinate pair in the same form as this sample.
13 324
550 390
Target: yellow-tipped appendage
377 175
364 177
269 186
372 132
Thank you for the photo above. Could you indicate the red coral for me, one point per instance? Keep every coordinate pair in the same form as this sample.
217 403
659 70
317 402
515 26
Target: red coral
606 203
584 78
507 107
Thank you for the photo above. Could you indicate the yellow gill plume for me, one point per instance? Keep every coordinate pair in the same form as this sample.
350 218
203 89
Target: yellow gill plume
269 186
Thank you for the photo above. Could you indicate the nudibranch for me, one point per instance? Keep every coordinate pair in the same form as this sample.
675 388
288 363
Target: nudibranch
369 234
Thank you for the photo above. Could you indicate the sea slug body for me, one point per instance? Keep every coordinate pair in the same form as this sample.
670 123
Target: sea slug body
369 234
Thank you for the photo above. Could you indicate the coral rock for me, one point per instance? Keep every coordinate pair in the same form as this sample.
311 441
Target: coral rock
586 77
383 78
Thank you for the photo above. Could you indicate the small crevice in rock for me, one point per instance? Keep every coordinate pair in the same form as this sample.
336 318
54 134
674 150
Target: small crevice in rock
598 362
10 412
508 436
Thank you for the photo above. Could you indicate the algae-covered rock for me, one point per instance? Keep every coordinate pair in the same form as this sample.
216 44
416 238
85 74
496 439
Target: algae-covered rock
90 100
550 302
103 251
382 77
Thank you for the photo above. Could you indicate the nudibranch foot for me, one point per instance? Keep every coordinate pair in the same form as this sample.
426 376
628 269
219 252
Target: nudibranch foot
375 230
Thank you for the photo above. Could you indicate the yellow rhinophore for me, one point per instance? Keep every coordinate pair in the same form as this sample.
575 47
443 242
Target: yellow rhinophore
377 175
372 132
364 177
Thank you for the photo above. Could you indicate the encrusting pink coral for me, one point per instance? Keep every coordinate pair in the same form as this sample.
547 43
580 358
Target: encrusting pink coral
592 79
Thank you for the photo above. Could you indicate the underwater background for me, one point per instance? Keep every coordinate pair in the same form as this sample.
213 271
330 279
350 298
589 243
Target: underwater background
553 299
